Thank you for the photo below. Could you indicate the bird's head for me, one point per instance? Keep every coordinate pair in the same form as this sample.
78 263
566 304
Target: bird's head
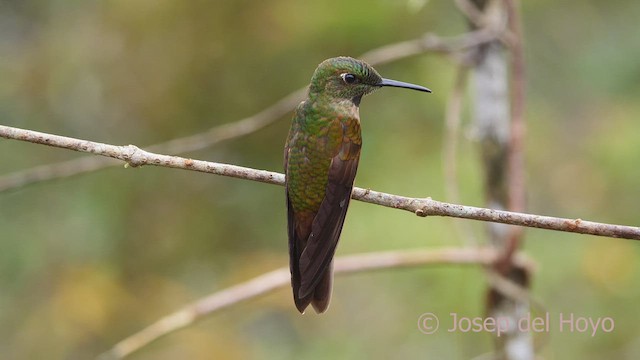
349 78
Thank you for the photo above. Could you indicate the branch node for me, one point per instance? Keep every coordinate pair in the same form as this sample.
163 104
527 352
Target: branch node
136 157
573 225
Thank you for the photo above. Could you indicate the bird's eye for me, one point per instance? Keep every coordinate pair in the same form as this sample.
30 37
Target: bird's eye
349 78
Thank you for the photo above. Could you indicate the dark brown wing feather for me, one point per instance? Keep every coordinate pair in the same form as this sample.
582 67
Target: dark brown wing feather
296 245
315 259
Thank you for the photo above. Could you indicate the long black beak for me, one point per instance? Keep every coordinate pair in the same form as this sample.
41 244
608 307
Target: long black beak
400 84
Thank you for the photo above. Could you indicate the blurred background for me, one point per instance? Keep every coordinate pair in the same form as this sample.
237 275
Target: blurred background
89 260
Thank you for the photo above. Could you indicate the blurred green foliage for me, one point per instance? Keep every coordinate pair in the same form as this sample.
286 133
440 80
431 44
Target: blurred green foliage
86 261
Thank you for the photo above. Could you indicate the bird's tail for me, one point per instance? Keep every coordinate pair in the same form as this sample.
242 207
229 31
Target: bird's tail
320 297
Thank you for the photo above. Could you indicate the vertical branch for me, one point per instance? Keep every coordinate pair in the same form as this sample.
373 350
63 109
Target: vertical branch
517 195
500 130
491 118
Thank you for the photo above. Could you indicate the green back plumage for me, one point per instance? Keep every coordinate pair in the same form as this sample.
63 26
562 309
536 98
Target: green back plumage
312 141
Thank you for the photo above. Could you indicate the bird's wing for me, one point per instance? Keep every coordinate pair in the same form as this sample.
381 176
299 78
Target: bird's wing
327 224
290 213
298 227
294 242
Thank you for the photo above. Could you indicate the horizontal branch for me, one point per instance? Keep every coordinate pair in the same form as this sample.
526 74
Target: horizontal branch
276 279
248 125
135 156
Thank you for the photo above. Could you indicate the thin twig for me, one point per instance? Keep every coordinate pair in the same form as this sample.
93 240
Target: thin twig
517 194
276 279
134 156
379 56
430 43
450 150
471 12
485 14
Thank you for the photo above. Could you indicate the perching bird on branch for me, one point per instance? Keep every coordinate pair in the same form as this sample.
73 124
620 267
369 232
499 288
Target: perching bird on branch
321 158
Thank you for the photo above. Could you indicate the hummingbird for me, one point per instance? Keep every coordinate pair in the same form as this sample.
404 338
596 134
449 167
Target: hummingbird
320 160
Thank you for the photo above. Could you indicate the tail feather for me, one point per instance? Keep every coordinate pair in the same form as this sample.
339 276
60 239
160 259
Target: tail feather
322 292
319 298
302 303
